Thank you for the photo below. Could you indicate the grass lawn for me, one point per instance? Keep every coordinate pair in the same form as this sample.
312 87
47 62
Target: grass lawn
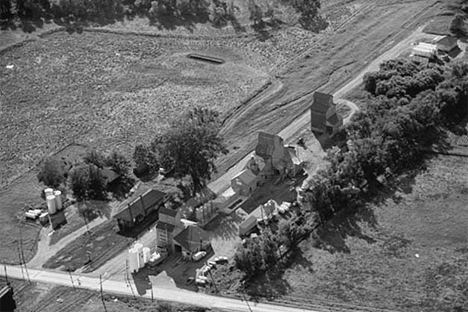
406 252
102 244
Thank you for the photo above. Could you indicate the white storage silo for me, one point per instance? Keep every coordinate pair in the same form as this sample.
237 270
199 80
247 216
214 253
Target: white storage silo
139 249
51 207
133 260
58 199
146 254
48 191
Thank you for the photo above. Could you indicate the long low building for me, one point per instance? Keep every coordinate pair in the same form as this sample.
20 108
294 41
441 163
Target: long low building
135 209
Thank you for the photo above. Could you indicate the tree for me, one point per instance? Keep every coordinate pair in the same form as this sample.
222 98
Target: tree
256 14
95 158
146 158
457 27
118 163
87 183
191 145
52 172
5 9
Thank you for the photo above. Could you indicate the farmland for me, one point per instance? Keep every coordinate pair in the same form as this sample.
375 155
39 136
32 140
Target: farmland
115 86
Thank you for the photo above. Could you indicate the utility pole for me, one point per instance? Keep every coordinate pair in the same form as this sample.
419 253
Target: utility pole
22 254
102 296
21 262
4 267
71 279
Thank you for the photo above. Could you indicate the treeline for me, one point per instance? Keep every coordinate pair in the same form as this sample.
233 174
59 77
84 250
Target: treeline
409 109
219 12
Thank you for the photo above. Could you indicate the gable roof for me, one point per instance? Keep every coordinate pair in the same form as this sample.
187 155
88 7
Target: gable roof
246 176
247 224
165 226
267 143
322 102
447 40
138 205
167 212
109 175
191 237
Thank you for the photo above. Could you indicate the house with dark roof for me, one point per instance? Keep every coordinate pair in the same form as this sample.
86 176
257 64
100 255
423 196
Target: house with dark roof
191 240
323 115
136 208
109 175
446 43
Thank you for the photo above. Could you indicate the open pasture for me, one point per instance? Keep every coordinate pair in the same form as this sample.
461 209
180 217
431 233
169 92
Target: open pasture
110 91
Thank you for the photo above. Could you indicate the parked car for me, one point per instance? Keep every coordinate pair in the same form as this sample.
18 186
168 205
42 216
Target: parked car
199 255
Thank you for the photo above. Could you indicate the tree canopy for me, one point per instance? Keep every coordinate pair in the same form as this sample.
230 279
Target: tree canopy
52 172
190 147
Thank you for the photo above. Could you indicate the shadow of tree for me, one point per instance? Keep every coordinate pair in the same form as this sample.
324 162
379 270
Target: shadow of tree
332 235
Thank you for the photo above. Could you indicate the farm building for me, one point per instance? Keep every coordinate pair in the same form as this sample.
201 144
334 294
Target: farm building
109 175
446 43
136 208
191 240
168 226
244 182
323 115
247 226
425 50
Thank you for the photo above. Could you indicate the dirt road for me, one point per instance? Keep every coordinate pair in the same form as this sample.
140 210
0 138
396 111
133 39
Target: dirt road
167 294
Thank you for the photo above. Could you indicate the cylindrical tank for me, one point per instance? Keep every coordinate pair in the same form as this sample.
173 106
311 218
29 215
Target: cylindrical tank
48 191
133 260
58 199
139 248
146 254
50 199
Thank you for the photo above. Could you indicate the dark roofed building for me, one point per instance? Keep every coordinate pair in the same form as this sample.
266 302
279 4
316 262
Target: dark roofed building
134 209
192 240
447 43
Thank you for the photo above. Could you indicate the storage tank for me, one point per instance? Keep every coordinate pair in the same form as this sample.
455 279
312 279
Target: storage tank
48 191
58 199
50 199
133 260
146 254
139 248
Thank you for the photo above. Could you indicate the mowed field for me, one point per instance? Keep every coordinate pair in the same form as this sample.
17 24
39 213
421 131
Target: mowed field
408 251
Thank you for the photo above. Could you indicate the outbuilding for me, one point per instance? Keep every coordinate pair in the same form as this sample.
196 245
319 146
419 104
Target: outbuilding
446 43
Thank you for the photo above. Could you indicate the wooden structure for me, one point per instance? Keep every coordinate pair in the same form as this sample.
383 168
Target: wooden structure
323 115
135 209
191 240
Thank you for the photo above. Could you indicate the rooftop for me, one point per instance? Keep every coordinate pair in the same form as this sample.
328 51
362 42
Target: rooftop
322 102
138 204
191 238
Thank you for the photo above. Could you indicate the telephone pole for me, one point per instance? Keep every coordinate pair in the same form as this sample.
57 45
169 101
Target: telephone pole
102 296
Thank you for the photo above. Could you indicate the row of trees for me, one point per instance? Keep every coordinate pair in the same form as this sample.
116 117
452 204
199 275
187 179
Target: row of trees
188 147
108 11
391 135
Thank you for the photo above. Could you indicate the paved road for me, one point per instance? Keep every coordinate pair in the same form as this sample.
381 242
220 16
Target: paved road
159 293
